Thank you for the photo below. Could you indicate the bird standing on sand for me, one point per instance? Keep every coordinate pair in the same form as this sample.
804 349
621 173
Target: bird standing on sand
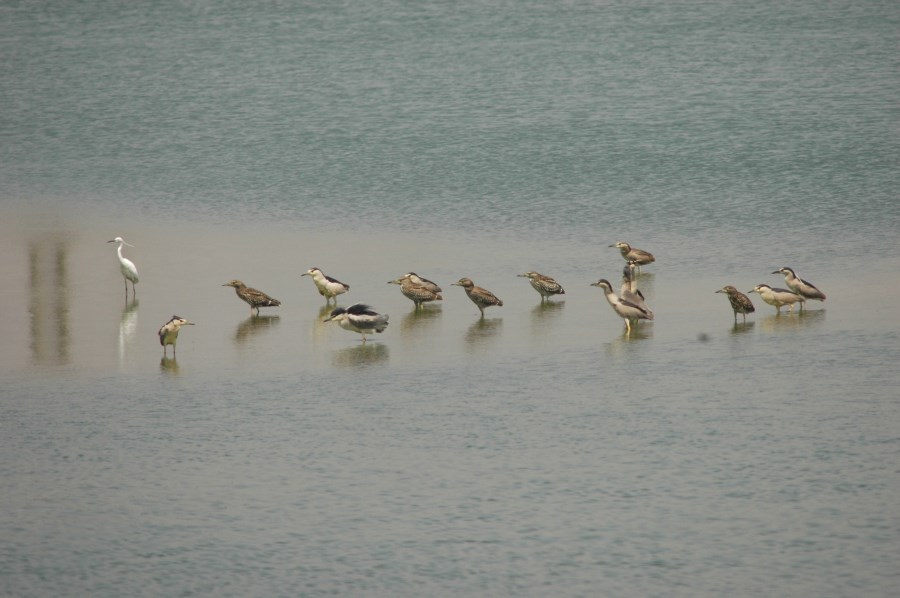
417 293
482 298
359 318
639 256
777 297
544 285
740 302
328 287
627 310
168 333
129 271
254 298
805 289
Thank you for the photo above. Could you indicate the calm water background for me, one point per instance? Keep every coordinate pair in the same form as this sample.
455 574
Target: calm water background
536 452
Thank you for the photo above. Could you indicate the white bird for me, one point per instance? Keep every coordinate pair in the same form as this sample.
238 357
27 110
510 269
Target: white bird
359 318
168 334
627 310
777 297
129 271
328 287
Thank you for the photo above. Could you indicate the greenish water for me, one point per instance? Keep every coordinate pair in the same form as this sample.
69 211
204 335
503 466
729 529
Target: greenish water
539 451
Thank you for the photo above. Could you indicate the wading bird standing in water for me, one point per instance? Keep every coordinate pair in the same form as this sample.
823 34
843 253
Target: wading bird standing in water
359 318
254 298
129 271
168 334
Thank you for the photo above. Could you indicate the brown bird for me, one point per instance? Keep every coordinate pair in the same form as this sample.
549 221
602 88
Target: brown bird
546 286
417 293
740 302
482 298
254 298
638 256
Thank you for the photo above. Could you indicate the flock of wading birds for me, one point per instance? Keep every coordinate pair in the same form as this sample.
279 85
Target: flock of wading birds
629 304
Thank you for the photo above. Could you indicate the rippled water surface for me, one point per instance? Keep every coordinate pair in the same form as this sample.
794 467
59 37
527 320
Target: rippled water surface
539 451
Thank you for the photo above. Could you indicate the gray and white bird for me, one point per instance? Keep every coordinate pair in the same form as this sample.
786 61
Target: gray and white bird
546 286
129 270
777 297
168 333
415 292
359 318
804 288
482 298
740 302
629 253
629 290
328 287
254 298
627 310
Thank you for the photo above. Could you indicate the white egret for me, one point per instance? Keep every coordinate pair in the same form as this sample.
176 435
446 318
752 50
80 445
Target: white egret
129 271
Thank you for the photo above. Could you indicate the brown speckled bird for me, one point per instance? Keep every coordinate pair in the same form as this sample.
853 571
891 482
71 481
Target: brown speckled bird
254 298
482 298
740 302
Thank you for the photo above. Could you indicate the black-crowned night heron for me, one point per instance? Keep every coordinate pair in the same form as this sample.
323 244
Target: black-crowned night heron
777 297
328 287
417 293
626 310
168 333
629 291
254 298
804 288
129 271
359 318
740 302
638 256
482 298
544 285
423 282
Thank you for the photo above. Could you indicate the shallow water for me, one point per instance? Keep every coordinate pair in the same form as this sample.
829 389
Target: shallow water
538 451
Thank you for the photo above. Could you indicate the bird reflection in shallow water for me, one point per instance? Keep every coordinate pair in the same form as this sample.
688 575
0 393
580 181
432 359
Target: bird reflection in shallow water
545 314
254 325
127 327
742 327
168 365
420 319
483 330
361 355
792 321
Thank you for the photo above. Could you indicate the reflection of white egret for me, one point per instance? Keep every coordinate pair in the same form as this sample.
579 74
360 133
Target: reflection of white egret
127 326
359 318
129 271
168 334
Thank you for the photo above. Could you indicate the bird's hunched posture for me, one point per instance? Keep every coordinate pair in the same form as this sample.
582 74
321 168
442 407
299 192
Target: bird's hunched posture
168 333
777 297
254 298
423 282
627 310
415 292
482 298
544 285
629 290
740 302
359 318
804 288
129 271
328 287
639 256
